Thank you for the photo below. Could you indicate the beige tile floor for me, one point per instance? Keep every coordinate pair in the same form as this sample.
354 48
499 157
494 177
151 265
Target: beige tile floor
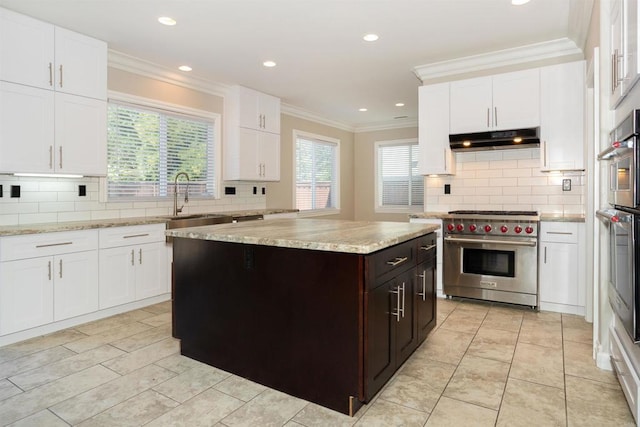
485 364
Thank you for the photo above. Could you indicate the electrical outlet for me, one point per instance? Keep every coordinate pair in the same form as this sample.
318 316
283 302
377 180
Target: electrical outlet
229 190
264 191
82 190
447 189
15 191
566 184
255 190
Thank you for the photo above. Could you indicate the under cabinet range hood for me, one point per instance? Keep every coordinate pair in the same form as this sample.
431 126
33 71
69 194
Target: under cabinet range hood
495 140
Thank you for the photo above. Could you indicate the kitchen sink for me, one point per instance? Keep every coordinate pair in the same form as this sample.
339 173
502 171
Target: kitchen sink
196 220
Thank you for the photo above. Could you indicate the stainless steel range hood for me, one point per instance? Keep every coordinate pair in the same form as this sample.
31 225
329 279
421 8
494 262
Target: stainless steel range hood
495 140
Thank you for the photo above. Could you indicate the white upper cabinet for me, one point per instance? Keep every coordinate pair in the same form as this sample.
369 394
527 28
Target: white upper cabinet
562 116
252 136
38 54
624 49
503 101
436 158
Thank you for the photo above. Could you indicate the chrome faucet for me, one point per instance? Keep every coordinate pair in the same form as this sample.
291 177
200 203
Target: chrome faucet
177 210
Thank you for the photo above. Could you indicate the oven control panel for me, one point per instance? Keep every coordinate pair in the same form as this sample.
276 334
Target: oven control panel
526 228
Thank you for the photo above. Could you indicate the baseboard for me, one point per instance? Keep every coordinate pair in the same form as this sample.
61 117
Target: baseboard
602 356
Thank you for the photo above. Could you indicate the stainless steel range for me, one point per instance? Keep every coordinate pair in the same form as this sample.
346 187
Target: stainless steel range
492 255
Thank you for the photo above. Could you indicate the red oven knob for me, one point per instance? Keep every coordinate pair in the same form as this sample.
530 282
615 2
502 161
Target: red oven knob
615 218
459 227
472 227
504 229
450 227
487 228
518 229
616 144
528 230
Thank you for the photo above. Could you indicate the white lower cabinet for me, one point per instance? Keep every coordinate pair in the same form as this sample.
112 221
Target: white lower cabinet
131 260
561 280
46 278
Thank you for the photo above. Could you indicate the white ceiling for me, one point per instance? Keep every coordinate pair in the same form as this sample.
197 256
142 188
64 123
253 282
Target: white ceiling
324 66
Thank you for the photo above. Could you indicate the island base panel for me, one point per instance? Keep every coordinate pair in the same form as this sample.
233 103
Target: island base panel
289 319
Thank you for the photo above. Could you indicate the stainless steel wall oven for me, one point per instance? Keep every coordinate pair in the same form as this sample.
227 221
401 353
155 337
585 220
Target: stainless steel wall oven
492 255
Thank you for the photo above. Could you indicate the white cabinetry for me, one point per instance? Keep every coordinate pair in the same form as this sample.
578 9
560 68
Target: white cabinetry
252 136
561 279
433 131
132 261
502 101
624 49
439 248
46 278
562 141
53 88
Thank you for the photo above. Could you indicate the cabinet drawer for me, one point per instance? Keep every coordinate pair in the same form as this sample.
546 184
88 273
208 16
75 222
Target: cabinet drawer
133 235
47 244
625 372
426 247
559 232
392 261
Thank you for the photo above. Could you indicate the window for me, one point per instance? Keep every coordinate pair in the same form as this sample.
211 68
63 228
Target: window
399 185
148 146
317 177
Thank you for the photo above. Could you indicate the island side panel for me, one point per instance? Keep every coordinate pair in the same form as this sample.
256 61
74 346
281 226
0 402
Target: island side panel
290 319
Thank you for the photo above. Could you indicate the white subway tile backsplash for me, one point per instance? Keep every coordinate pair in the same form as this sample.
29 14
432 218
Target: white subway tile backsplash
57 207
488 156
521 153
37 218
515 173
489 173
476 165
74 216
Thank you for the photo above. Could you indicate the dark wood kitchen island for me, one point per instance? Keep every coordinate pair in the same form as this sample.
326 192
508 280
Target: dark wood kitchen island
325 310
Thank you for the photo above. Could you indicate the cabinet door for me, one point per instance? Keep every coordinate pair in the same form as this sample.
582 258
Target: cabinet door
151 277
433 130
381 354
26 129
406 331
559 273
26 294
270 156
617 49
562 116
26 50
269 108
76 284
81 64
81 135
425 294
117 276
516 100
249 154
248 110
471 105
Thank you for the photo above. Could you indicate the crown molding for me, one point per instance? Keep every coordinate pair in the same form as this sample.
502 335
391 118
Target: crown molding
387 125
131 64
580 13
292 110
549 50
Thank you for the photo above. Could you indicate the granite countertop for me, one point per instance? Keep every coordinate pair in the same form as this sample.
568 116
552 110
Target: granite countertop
15 230
359 237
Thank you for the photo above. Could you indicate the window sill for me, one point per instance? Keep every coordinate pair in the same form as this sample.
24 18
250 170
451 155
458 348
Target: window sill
318 212
399 210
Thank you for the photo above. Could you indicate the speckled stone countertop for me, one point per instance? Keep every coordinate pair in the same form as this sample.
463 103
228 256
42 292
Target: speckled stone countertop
359 237
15 230
548 217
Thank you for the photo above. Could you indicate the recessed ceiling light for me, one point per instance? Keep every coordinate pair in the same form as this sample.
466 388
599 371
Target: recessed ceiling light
185 68
269 64
362 109
400 104
517 139
466 143
519 2
370 37
165 20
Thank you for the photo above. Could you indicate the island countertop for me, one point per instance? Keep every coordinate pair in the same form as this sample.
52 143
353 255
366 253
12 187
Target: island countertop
359 237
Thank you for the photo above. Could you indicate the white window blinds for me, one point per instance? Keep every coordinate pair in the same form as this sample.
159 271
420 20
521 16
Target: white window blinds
146 148
399 182
316 174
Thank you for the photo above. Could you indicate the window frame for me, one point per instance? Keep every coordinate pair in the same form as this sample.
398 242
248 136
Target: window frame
378 207
324 139
176 109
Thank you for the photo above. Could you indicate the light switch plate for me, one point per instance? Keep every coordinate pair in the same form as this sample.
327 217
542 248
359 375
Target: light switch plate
566 184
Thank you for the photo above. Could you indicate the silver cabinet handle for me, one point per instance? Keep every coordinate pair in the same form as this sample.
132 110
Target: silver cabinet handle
264 121
396 311
140 256
543 147
397 261
495 116
48 245
423 294
61 157
50 74
60 268
531 242
568 233
49 267
135 235
444 152
488 113
133 261
545 254
403 298
427 248
51 157
60 75
613 72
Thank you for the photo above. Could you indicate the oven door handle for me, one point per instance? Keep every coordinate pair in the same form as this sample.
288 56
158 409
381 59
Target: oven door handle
495 242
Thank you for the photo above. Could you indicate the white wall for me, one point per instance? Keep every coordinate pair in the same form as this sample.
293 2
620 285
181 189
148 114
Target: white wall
505 180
